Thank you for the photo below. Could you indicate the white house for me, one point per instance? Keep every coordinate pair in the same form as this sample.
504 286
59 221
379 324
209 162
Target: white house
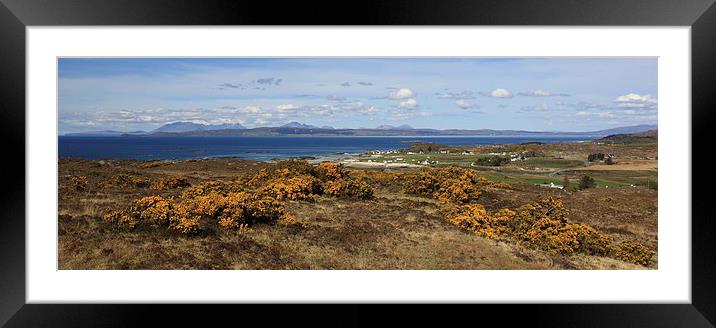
552 185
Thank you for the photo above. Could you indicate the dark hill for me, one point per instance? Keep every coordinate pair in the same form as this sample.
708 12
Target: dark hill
641 137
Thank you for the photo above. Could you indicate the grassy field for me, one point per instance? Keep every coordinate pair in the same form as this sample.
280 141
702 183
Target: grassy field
392 228
634 165
549 163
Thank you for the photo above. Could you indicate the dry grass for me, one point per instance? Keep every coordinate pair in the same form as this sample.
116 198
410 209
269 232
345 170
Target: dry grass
629 165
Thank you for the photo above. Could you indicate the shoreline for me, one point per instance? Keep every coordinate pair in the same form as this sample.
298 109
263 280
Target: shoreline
107 147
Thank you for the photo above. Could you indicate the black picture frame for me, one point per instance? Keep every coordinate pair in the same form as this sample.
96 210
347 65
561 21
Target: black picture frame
16 15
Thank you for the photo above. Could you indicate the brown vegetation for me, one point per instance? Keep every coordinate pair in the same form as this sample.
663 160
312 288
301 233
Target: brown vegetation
169 183
228 213
126 181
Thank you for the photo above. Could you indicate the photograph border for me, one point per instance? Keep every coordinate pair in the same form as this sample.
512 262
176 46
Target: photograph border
16 15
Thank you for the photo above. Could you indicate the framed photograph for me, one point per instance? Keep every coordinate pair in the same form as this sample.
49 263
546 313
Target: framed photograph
474 153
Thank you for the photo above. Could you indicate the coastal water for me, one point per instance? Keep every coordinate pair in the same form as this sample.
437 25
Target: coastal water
266 148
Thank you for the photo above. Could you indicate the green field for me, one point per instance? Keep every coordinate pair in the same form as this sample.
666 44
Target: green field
549 162
534 170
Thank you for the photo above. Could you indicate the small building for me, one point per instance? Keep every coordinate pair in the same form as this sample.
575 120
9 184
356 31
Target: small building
551 185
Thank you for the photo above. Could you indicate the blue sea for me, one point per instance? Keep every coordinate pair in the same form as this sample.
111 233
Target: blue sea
267 148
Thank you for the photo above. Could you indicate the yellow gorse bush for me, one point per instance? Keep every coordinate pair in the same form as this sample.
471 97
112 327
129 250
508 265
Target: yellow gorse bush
121 219
186 216
258 178
291 167
528 214
299 180
79 183
457 191
207 206
590 240
340 183
474 218
630 251
287 219
230 221
184 219
249 208
331 171
449 185
302 187
349 188
155 209
169 183
550 234
282 169
151 164
384 179
152 210
543 224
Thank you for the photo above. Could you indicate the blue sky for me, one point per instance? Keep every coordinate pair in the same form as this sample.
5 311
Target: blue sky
537 94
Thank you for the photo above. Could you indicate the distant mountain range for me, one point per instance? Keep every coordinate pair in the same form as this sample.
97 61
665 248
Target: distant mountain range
296 128
107 133
399 127
189 126
297 125
628 129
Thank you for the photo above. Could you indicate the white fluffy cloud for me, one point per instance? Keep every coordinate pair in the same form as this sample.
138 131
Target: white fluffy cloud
498 93
402 93
246 109
408 104
249 115
635 97
464 104
286 107
633 100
